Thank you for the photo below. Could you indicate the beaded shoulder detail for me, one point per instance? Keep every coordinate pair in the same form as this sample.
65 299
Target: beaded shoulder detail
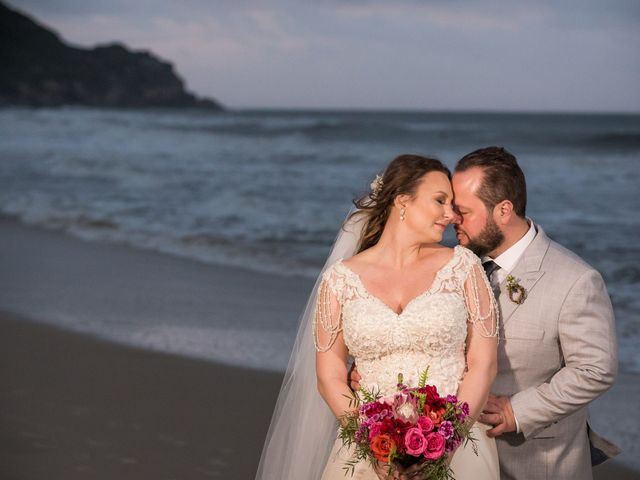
343 300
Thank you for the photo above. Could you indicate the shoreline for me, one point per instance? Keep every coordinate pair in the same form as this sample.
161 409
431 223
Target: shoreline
148 299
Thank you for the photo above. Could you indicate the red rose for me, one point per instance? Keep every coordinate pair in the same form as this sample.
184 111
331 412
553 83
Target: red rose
381 447
432 393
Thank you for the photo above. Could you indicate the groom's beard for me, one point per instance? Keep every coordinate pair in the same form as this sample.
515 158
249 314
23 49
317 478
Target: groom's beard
487 240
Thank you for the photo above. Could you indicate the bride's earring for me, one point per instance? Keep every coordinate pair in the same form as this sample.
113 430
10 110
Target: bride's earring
402 214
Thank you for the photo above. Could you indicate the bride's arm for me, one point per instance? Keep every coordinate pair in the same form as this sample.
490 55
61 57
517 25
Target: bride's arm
331 352
482 342
331 374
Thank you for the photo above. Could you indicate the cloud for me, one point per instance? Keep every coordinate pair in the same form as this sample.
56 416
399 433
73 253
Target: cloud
573 55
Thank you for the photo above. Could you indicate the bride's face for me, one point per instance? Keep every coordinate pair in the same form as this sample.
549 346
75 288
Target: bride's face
430 211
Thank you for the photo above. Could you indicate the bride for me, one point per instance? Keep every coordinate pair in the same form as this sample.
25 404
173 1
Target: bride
395 300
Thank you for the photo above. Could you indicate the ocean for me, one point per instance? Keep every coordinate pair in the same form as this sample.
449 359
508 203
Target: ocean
267 190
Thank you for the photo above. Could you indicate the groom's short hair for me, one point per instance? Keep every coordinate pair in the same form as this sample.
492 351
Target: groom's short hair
503 177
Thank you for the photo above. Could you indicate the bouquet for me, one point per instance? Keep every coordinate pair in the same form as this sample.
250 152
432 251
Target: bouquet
414 427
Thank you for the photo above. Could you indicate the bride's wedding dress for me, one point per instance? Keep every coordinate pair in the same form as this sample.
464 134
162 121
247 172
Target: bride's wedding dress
430 332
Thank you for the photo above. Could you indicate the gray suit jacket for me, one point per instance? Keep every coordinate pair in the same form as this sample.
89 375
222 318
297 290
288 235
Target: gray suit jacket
557 353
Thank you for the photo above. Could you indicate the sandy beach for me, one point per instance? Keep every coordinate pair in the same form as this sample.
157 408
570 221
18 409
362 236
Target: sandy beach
74 406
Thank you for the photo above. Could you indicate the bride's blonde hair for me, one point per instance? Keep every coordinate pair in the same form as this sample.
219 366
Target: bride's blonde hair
401 177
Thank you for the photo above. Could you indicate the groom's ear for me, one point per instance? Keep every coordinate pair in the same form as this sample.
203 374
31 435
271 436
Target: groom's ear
503 212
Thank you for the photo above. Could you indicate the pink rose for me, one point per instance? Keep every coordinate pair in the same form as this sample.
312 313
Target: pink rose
415 442
435 446
426 424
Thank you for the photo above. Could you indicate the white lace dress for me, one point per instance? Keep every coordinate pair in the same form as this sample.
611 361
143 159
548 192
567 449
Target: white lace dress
430 332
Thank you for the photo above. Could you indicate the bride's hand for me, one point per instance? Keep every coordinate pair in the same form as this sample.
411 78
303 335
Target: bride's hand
399 473
409 472
383 471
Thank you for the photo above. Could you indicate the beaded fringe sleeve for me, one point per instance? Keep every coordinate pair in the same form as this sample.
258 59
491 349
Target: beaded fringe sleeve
327 321
480 301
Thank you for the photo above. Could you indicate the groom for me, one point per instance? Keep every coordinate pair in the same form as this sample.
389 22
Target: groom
557 350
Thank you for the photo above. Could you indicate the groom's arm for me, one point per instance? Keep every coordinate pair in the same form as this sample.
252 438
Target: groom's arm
588 341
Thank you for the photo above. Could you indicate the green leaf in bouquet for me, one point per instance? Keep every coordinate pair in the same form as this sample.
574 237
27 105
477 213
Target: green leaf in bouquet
369 396
464 430
422 399
350 467
423 378
436 470
354 399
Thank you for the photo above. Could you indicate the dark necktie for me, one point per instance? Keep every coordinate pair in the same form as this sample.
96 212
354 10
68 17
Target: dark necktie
489 267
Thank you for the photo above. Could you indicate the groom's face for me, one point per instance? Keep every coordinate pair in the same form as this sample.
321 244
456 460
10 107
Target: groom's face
475 227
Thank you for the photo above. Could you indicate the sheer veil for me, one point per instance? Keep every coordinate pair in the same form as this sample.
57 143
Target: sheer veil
303 428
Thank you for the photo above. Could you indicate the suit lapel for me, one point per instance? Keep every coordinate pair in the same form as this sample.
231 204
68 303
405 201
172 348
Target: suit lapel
527 272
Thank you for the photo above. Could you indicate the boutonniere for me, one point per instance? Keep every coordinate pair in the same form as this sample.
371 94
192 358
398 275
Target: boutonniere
517 293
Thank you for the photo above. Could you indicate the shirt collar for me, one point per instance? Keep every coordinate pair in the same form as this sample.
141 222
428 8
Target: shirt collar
508 259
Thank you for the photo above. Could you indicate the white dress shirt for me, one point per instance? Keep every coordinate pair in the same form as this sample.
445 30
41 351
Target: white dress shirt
507 260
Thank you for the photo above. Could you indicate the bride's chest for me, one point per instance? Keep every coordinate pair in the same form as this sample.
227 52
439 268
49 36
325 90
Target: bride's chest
430 322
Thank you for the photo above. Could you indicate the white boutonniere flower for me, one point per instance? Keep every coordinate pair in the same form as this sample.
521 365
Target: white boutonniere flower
517 293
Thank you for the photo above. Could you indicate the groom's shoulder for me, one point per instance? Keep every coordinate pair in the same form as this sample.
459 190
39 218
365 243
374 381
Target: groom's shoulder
559 257
564 270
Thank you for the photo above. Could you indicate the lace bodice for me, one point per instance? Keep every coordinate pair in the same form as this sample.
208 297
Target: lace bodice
430 332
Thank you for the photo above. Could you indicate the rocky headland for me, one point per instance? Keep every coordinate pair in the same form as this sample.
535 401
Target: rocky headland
39 69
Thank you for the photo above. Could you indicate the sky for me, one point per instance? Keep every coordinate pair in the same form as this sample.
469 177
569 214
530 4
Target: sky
517 55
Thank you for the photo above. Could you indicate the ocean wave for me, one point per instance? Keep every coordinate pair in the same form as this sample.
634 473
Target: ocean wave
352 129
627 274
433 136
617 140
267 191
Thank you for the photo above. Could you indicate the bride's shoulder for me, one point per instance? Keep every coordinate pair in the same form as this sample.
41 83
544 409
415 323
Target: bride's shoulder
345 270
467 255
358 262
334 270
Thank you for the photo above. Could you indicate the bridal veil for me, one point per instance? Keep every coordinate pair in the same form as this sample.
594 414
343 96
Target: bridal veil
303 428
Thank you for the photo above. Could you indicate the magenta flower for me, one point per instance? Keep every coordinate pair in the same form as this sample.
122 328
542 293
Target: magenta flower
426 424
435 446
446 429
415 441
374 430
453 444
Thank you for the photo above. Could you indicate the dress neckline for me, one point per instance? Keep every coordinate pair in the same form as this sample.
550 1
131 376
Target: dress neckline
428 291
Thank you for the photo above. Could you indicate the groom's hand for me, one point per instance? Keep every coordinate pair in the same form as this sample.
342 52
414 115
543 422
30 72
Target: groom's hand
498 412
353 378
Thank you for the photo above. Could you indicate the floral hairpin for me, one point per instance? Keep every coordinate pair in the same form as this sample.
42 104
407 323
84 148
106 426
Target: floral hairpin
376 185
517 293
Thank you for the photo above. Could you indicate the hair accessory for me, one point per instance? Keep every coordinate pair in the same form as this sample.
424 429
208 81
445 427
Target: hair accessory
376 185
